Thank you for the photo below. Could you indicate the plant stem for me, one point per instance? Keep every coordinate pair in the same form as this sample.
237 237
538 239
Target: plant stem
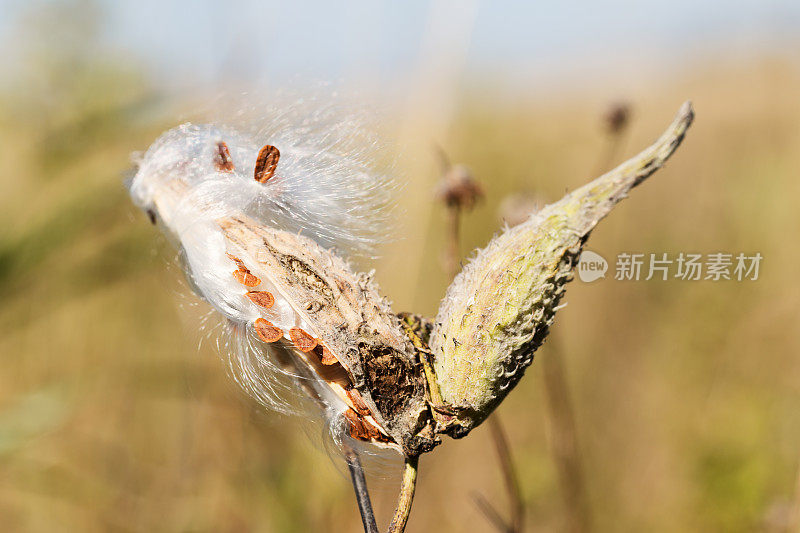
452 253
360 488
509 473
406 496
491 514
794 516
564 440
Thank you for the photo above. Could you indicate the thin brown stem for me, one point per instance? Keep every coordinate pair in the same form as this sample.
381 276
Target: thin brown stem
360 488
564 440
794 519
406 497
452 248
610 153
617 120
491 514
509 473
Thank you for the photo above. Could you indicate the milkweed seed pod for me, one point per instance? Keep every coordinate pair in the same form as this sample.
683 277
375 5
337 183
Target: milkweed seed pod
498 310
254 224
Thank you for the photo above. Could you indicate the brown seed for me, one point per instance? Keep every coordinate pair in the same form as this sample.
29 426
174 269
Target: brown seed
266 163
267 330
358 402
236 260
358 430
302 340
362 430
223 160
325 356
245 277
262 298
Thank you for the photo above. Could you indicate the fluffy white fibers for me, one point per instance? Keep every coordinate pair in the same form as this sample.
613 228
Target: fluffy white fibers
325 187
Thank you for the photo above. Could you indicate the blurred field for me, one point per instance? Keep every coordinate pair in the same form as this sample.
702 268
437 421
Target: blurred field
686 393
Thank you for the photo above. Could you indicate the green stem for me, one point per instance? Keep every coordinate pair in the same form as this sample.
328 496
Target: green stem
406 496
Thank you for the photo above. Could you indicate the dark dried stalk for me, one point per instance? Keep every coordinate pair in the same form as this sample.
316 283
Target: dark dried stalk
360 488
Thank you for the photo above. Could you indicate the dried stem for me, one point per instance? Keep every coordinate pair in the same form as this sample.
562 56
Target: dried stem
564 441
491 514
794 519
360 488
406 496
509 473
617 119
452 248
512 484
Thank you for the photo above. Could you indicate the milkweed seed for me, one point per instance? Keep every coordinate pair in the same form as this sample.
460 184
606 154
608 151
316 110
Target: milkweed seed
262 298
302 340
266 163
245 277
358 402
267 331
325 355
236 260
358 429
223 160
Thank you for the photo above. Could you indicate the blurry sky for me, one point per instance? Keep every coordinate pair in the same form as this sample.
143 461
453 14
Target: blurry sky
383 44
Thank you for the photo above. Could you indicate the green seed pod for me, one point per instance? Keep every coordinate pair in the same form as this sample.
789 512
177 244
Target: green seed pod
499 309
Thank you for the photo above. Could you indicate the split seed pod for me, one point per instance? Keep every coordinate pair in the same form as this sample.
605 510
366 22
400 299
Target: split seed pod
378 375
299 312
498 310
296 311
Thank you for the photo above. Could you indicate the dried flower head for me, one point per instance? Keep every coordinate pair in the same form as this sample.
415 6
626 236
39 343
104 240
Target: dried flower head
458 188
616 117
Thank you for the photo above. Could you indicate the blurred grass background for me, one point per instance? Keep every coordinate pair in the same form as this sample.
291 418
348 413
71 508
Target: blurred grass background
685 394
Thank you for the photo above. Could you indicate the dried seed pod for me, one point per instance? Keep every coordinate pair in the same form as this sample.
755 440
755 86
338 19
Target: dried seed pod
498 310
284 242
354 323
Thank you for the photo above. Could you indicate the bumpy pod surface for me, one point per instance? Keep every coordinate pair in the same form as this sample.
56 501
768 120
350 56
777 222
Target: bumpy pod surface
499 308
344 311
